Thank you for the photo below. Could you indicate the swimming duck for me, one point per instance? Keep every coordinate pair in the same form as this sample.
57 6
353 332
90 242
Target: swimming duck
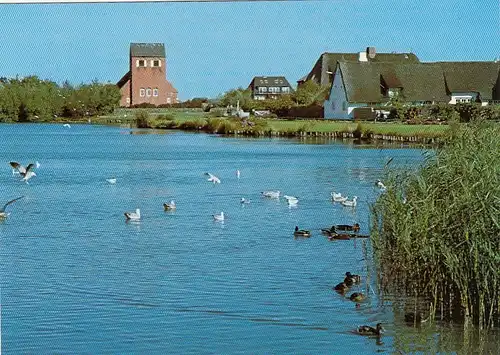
169 206
352 203
357 297
301 232
367 330
336 236
347 227
341 287
337 197
219 217
351 279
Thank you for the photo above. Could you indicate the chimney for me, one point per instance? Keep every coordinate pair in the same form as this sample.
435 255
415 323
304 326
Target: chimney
370 51
362 57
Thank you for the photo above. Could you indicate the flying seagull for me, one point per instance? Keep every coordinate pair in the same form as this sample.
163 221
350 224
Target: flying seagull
4 214
213 178
25 172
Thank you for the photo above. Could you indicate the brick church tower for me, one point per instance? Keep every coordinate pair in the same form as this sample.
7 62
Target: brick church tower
146 80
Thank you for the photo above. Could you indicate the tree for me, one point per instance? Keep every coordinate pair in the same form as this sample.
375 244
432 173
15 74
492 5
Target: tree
310 93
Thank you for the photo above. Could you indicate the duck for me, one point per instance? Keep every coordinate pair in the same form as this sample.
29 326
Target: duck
169 206
367 330
336 236
357 297
341 287
301 232
292 200
219 217
347 227
111 181
352 203
351 279
328 231
133 215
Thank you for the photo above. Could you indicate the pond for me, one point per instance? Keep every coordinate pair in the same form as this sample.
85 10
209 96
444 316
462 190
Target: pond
77 278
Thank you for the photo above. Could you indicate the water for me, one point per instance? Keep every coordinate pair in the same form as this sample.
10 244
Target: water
76 278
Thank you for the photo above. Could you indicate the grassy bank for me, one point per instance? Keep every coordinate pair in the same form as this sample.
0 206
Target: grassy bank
192 119
443 243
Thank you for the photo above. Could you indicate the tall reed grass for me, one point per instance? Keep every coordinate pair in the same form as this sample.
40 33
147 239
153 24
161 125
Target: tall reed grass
443 241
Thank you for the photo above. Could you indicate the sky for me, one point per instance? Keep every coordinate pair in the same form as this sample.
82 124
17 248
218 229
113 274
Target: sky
217 46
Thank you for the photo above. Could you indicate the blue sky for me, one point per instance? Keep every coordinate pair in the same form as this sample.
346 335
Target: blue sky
213 47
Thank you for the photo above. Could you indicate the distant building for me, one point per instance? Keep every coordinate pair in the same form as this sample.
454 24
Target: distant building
269 87
324 69
146 82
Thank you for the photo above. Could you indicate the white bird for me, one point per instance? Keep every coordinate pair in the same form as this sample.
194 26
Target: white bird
4 214
292 200
350 203
67 125
238 174
133 215
219 217
380 185
244 200
169 206
271 194
111 181
337 197
37 164
26 173
213 178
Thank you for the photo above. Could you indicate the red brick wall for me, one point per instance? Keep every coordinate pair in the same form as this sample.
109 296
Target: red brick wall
148 77
125 92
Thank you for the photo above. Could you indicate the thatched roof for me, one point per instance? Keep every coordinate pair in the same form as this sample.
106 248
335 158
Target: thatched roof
327 62
366 81
478 77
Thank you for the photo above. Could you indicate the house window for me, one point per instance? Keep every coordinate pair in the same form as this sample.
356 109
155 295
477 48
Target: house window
169 100
272 89
148 92
140 63
128 100
285 89
344 106
333 105
262 89
155 92
156 63
142 92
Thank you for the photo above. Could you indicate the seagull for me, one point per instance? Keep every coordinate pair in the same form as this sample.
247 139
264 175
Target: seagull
292 200
133 215
244 200
169 206
219 217
213 178
350 203
37 164
67 125
111 181
238 174
4 214
271 194
25 172
337 197
380 185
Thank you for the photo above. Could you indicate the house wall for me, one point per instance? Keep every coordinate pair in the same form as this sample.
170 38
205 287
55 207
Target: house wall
471 96
125 92
337 107
148 77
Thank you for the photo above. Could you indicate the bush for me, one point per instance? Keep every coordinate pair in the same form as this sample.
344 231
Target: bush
142 119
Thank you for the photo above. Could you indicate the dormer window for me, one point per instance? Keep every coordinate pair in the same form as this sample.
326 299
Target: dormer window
140 63
155 63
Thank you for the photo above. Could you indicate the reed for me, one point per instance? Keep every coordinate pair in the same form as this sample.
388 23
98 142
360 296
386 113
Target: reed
444 242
